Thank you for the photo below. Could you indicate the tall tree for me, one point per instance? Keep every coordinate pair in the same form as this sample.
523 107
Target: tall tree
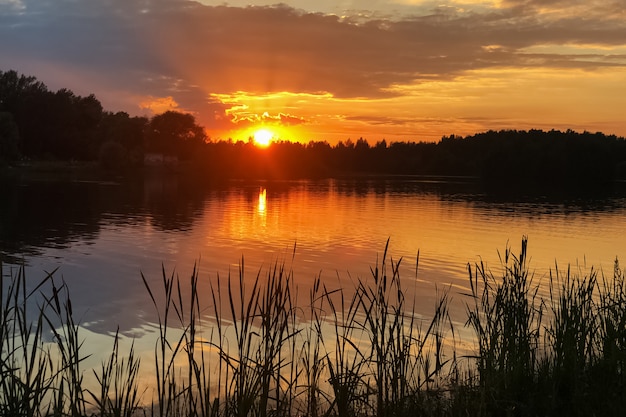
9 137
174 133
60 125
14 88
124 130
15 91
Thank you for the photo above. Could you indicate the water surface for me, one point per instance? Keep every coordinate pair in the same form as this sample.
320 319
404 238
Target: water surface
103 235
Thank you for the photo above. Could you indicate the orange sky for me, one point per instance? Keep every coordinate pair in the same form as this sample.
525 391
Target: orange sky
323 70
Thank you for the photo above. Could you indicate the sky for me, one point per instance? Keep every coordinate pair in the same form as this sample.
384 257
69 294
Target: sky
399 70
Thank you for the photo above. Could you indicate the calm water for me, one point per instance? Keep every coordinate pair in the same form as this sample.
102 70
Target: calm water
102 236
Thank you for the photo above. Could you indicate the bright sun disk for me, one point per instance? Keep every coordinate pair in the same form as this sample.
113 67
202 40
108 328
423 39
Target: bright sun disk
263 137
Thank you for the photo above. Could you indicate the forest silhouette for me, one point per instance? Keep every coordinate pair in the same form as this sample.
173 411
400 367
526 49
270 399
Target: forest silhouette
38 124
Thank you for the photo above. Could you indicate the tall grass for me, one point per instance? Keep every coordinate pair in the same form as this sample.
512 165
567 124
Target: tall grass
360 349
40 362
28 377
119 392
506 318
406 362
560 355
261 365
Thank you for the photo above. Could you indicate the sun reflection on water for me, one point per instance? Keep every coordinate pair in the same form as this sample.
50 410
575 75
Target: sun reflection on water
262 207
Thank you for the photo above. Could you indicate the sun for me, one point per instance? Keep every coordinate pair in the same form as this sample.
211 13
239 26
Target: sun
263 137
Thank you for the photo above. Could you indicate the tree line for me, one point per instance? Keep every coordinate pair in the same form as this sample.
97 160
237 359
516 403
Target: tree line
36 123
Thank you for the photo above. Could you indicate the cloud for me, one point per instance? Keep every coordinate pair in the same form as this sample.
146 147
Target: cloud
283 119
159 105
195 53
241 117
384 120
12 4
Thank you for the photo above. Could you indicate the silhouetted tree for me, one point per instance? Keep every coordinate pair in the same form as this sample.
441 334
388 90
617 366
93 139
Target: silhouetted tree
60 125
15 91
361 144
35 122
126 131
9 138
15 88
174 133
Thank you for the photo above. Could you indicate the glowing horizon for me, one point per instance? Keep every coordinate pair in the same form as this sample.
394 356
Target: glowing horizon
393 70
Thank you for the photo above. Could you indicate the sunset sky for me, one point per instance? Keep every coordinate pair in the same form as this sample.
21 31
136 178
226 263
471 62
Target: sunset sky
332 70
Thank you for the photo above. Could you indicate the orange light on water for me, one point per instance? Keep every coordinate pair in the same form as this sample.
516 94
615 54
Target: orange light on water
262 201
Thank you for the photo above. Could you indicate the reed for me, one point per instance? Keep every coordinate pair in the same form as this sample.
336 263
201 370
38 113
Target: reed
586 342
40 342
609 373
359 349
345 361
273 359
119 392
407 362
506 318
263 326
560 355
311 356
28 377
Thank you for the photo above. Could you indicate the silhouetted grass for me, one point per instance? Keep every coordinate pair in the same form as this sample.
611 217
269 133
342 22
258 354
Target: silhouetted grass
256 350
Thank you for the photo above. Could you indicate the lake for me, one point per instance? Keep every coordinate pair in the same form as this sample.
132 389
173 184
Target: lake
102 236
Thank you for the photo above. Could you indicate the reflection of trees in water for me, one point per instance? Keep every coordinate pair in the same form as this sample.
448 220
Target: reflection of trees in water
51 214
44 214
444 187
473 190
172 203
